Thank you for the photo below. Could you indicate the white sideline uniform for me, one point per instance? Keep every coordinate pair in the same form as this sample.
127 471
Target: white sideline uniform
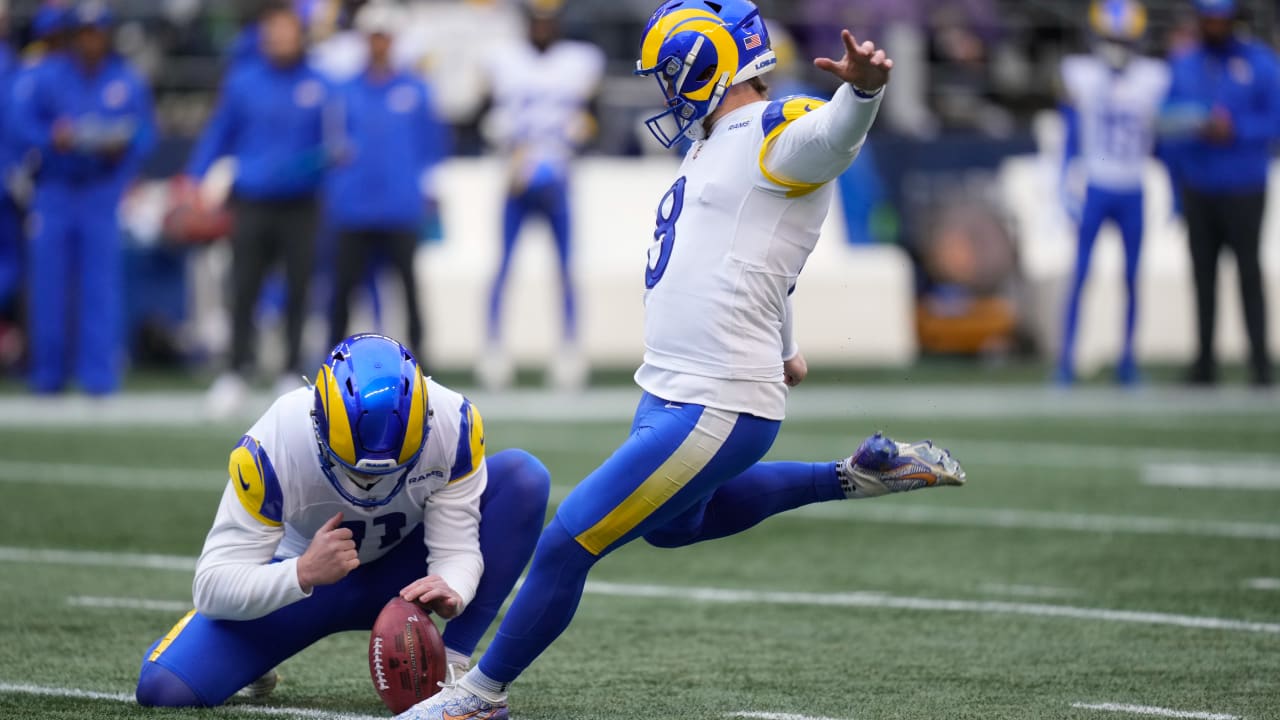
755 195
539 103
1117 113
256 522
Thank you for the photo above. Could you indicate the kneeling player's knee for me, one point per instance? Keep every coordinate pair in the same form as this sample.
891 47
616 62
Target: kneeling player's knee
159 686
522 474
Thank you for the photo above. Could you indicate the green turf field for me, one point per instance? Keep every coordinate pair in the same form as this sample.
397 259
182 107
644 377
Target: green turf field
1086 564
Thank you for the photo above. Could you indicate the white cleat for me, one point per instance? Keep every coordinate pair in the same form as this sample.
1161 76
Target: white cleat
261 688
569 371
881 466
226 397
455 702
495 371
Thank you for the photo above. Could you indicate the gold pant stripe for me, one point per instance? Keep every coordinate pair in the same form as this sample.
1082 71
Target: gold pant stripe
172 635
702 443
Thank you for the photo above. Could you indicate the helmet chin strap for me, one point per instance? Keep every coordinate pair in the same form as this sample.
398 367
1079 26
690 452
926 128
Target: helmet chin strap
700 130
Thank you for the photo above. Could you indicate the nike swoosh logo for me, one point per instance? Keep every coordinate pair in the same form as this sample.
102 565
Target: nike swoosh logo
473 715
240 475
673 406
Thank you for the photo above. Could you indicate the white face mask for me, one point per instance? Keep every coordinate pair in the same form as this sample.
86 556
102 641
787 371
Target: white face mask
1115 54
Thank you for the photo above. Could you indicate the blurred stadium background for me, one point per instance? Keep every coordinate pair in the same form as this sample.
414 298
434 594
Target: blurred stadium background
948 233
1114 550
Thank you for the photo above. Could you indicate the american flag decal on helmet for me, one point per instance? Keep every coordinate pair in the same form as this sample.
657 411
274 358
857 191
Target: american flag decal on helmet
752 42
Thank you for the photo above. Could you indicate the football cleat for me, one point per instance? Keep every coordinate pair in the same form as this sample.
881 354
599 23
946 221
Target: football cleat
882 466
260 688
454 702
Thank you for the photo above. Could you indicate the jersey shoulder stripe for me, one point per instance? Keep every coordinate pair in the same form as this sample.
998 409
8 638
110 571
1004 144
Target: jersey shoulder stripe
776 118
470 443
256 483
784 111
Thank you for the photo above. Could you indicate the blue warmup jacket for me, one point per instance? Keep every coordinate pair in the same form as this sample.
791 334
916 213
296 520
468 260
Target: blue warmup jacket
112 100
393 137
272 121
1241 78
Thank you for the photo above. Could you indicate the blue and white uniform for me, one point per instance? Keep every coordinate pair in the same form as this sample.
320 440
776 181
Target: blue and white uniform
539 121
250 611
732 235
73 225
1112 117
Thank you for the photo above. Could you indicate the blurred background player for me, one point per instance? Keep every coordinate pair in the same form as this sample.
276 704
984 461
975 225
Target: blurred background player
89 116
1113 98
541 90
719 348
1230 81
376 199
333 494
273 119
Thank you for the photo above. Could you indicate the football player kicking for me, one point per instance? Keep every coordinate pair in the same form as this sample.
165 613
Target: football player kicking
333 493
733 232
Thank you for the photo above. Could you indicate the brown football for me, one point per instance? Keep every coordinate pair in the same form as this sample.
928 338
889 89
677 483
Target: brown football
406 655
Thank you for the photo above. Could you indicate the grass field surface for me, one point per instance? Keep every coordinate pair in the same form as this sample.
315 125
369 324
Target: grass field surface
1114 562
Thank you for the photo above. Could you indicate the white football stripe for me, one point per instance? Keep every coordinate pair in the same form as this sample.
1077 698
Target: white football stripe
1218 476
1039 591
754 715
1035 520
92 601
1157 711
721 595
881 600
47 691
1262 583
116 476
96 559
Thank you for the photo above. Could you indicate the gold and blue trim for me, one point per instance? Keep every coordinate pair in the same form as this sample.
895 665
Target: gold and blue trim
470 451
255 482
777 117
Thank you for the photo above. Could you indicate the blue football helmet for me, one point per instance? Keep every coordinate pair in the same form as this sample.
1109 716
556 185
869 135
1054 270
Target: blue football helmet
697 49
371 418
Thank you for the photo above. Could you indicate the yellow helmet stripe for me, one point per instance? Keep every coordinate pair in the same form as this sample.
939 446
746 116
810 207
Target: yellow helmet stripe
340 440
652 42
726 54
417 416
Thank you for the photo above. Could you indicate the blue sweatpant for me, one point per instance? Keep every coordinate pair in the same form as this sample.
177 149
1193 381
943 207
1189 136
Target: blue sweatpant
1125 209
550 199
76 287
206 661
685 474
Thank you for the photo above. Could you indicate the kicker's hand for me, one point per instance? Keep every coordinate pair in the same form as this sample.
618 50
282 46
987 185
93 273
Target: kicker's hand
863 66
433 592
329 557
795 370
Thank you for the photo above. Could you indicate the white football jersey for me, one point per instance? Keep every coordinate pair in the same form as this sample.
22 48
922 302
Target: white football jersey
279 496
1117 113
733 233
307 498
539 103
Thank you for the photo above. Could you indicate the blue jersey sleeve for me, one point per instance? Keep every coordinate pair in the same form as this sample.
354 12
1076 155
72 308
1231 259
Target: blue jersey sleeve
219 134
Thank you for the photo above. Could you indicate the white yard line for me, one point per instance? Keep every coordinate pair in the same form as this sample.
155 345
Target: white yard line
116 476
837 402
731 596
1262 583
311 713
1217 476
1035 520
1034 591
91 558
114 603
896 602
754 715
1156 711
